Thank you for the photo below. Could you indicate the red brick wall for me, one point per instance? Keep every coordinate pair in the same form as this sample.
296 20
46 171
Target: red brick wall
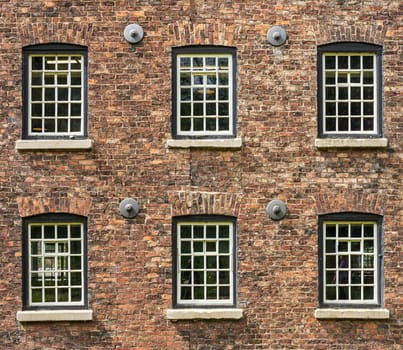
130 265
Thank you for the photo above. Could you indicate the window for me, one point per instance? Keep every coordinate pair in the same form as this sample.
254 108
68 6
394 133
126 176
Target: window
350 90
204 261
204 92
350 248
55 91
55 262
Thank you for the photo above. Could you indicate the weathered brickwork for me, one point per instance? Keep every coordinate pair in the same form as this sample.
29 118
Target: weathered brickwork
129 120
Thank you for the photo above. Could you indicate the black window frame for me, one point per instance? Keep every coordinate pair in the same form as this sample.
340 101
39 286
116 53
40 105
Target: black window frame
203 219
352 217
351 47
199 50
56 49
53 218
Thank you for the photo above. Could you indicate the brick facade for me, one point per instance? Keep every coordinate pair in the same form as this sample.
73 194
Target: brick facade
129 117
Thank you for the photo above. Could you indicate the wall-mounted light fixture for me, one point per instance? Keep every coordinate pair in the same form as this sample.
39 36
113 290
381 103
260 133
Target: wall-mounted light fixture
129 208
276 36
276 210
133 33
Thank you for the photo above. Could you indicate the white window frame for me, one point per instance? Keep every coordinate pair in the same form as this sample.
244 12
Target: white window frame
348 86
55 258
69 102
204 82
205 302
349 270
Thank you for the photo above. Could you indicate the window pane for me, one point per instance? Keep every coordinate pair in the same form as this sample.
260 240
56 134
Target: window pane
330 62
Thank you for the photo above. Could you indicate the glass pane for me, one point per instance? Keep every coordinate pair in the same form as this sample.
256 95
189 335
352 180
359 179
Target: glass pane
76 62
36 94
368 62
62 231
330 108
330 62
368 277
355 62
76 94
211 231
330 93
197 62
49 110
330 246
356 231
223 231
355 261
211 246
50 295
368 109
211 80
210 62
343 247
198 262
49 94
36 295
224 277
37 63
186 231
185 124
355 78
330 124
224 262
343 230
49 264
369 246
223 247
75 231
198 293
36 263
198 277
343 124
62 278
330 277
331 293
62 294
330 261
62 247
224 293
368 124
368 78
368 293
185 79
185 94
62 125
50 247
211 292
185 109
49 79
223 94
223 79
75 109
343 293
36 111
343 93
342 62
185 62
186 293
198 231
211 277
223 109
76 294
355 124
198 94
197 246
356 293
50 125
355 246
198 79
36 232
62 79
355 93
368 230
75 247
62 109
185 262
223 63
342 78
63 63
36 248
76 278
211 262
185 247
211 124
223 124
368 93
36 279
75 78
198 111
356 277
211 95
62 263
50 63
63 94
75 262
330 78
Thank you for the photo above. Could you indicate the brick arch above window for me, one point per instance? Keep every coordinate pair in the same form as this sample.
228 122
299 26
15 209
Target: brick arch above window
350 201
205 203
30 206
40 33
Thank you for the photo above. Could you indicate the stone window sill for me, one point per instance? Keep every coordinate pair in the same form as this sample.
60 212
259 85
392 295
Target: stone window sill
206 314
54 315
367 314
205 143
43 145
351 143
